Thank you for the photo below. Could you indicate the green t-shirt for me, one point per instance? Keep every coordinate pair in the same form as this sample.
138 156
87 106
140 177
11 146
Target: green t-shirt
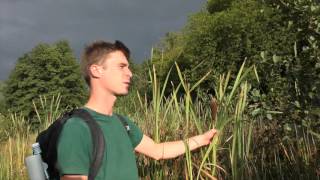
75 146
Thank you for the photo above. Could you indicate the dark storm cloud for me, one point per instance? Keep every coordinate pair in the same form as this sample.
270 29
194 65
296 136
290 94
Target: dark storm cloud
138 23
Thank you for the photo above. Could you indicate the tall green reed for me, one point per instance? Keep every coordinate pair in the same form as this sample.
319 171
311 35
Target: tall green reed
189 113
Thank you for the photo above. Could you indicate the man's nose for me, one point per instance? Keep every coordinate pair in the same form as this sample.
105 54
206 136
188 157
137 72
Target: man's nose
129 73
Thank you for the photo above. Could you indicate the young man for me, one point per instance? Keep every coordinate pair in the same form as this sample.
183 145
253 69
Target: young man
106 70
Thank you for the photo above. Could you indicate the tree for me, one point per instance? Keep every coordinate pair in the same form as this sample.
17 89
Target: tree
46 70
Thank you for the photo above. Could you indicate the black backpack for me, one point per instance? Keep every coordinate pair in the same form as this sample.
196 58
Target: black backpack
48 140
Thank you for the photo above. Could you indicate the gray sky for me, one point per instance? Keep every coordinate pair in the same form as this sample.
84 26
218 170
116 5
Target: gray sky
138 23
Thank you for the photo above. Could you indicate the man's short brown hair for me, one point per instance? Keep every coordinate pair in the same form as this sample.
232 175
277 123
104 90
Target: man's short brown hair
96 53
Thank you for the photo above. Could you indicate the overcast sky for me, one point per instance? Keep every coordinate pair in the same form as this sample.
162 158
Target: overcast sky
138 23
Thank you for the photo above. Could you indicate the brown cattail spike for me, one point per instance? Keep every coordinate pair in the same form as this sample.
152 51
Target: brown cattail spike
214 109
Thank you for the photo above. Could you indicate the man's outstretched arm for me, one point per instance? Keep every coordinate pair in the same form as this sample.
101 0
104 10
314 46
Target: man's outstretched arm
172 149
74 177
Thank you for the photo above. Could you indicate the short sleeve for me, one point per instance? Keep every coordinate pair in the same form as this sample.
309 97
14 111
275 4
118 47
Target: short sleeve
135 133
74 148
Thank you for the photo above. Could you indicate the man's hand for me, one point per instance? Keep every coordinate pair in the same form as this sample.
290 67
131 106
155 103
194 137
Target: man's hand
205 138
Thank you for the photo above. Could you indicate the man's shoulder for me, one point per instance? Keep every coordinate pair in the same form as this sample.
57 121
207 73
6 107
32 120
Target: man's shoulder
75 123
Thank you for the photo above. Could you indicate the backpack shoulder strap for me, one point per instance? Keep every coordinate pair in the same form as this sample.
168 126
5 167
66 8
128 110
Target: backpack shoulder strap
98 141
124 122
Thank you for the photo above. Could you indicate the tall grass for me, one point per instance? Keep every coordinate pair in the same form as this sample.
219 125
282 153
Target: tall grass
15 149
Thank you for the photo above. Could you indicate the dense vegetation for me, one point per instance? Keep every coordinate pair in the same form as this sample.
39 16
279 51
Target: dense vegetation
260 59
281 38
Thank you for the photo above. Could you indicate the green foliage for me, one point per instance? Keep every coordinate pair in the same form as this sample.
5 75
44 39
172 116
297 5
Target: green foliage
302 67
47 70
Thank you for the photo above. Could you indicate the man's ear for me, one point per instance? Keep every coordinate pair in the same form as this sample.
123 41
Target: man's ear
95 71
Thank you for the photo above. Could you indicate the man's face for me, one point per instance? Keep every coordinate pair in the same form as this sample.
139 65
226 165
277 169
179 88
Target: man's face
116 75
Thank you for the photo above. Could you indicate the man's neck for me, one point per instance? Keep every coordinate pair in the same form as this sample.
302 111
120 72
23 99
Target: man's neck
101 103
